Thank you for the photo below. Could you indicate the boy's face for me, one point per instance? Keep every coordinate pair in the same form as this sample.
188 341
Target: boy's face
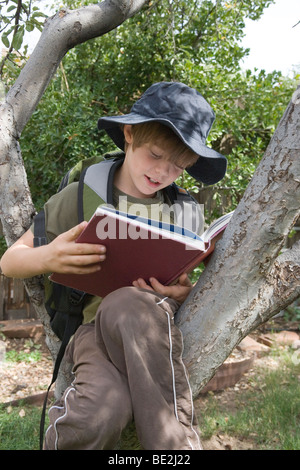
146 169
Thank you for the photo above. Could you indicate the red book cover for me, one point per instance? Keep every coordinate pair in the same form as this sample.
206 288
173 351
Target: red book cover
135 250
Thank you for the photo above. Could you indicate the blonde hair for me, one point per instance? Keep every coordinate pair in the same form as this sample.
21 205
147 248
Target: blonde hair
161 135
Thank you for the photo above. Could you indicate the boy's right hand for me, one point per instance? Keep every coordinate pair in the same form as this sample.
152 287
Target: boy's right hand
64 255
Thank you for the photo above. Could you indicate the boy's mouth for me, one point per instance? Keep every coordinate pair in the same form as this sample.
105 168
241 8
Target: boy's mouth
152 181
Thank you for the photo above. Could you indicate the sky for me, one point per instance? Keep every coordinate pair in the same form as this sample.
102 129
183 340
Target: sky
273 41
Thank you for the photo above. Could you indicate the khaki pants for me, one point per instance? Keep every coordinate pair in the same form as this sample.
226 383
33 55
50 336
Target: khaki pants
128 365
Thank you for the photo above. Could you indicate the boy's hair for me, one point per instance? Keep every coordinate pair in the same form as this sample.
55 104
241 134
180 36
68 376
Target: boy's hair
163 136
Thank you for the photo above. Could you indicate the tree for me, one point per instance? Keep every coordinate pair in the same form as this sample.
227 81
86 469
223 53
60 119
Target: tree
231 298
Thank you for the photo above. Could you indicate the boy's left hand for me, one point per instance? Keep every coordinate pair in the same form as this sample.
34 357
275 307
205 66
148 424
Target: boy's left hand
178 291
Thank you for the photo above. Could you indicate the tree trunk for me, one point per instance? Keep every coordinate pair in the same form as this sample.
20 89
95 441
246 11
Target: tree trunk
247 280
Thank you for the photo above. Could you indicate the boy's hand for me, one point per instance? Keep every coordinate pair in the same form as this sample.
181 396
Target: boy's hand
64 255
178 291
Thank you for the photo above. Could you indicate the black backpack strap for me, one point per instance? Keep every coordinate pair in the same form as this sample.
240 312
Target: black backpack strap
80 209
39 238
64 181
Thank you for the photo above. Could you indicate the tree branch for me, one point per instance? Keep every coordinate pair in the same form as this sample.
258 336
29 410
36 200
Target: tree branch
61 32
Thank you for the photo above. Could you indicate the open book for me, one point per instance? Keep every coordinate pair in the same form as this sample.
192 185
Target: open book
140 248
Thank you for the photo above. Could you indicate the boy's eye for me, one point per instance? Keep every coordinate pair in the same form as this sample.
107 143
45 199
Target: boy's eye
179 167
154 155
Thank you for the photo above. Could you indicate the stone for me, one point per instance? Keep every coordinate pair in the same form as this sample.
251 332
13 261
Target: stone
249 344
228 374
286 337
26 328
266 340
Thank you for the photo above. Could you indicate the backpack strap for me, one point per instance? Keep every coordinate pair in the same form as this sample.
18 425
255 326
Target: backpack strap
39 235
99 177
187 211
65 181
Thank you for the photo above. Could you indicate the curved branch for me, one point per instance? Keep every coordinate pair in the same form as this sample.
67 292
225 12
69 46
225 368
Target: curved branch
63 31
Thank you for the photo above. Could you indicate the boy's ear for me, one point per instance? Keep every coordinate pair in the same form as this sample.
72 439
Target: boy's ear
128 133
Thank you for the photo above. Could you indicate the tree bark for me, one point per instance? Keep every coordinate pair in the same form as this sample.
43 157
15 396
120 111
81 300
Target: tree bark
247 280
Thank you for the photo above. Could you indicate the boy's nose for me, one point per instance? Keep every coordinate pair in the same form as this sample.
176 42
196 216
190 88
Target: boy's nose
163 168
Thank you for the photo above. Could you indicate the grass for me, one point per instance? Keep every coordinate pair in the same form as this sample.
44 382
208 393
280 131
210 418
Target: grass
22 356
19 428
31 353
268 413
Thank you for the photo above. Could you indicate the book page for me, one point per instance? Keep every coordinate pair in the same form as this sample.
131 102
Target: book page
217 226
157 228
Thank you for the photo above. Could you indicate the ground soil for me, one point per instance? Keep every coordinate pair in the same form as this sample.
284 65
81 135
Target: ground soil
20 380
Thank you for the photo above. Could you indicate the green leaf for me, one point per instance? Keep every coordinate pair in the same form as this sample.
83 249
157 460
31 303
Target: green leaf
29 27
11 66
12 7
5 40
37 14
18 38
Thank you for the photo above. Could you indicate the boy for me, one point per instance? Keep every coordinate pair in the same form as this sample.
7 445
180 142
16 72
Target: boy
127 356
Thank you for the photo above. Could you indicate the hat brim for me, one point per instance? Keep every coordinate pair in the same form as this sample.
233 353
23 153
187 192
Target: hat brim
210 167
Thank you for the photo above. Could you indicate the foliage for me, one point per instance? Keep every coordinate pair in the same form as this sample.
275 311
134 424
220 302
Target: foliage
16 19
292 312
23 356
